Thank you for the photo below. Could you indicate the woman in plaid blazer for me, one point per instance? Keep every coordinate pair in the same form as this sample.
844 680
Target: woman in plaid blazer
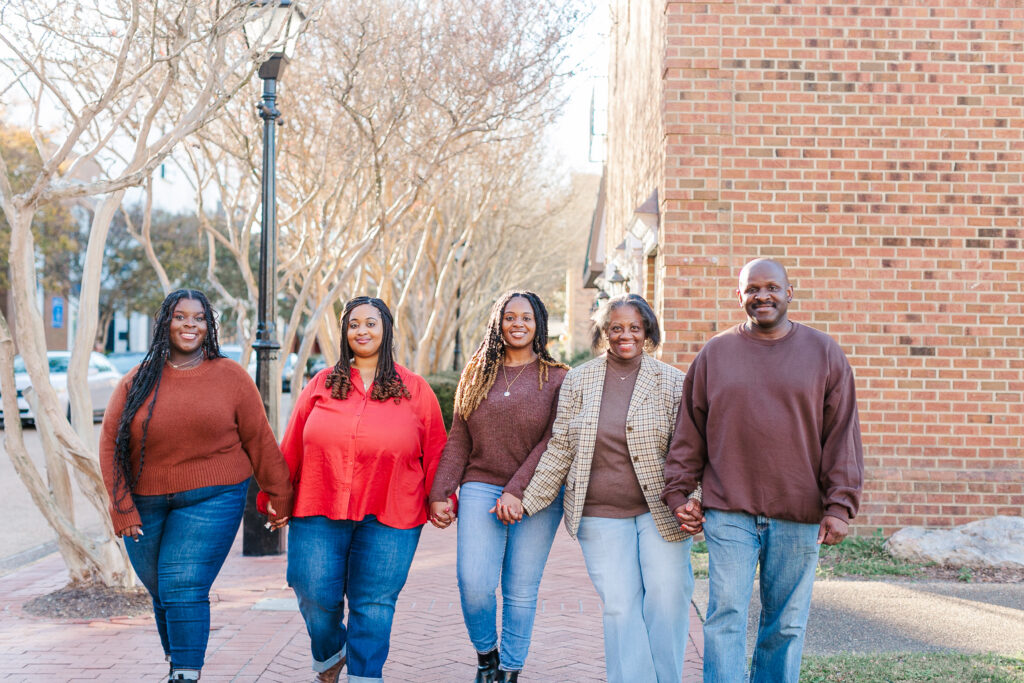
614 422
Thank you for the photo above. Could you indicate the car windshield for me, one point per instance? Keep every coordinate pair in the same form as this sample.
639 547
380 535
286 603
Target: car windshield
57 364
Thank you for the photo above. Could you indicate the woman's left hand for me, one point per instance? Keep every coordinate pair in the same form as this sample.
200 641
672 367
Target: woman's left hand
508 509
273 521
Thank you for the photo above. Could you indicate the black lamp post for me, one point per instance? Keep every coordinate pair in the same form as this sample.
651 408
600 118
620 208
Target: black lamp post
274 26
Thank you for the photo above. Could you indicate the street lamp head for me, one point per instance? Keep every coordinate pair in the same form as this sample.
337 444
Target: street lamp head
272 28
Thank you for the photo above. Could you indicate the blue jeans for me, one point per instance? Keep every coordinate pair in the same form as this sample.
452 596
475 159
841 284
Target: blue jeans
489 550
186 538
646 584
788 554
367 562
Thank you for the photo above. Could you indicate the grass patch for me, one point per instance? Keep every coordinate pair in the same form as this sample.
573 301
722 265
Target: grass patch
898 668
862 556
699 559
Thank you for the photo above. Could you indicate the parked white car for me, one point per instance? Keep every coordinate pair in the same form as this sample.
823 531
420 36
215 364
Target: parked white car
103 379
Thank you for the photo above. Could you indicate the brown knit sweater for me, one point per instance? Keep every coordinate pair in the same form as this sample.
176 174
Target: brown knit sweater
208 429
613 489
504 437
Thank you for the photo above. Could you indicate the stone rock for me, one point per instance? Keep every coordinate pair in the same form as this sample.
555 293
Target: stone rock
993 542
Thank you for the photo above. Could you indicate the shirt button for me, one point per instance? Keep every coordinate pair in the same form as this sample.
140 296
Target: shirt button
629 428
636 458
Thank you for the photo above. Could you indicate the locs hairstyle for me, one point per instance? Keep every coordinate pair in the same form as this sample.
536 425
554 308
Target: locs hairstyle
652 333
386 381
482 369
147 381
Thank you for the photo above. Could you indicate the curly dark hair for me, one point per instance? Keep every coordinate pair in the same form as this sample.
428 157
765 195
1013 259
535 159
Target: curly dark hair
146 381
482 369
387 383
652 332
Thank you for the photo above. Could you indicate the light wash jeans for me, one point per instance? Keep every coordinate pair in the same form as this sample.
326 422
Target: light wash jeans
788 554
516 554
186 538
366 561
645 583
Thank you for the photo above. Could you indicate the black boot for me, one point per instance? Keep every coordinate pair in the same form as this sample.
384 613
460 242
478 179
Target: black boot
506 676
486 667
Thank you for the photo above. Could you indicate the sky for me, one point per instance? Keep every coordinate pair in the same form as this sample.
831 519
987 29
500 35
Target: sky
570 137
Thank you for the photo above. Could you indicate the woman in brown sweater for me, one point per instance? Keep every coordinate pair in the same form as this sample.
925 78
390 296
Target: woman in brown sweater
181 436
504 408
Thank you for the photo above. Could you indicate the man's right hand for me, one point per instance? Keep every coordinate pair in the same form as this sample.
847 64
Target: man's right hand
135 530
691 516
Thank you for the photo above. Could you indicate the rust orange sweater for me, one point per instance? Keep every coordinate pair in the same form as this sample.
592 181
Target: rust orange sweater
208 429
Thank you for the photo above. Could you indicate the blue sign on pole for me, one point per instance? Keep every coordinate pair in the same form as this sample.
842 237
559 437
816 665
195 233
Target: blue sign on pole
57 312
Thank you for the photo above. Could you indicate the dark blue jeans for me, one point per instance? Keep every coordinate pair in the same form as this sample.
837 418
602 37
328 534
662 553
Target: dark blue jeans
186 538
366 561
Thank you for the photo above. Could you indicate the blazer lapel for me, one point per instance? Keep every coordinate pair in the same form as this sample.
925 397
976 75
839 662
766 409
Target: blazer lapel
646 383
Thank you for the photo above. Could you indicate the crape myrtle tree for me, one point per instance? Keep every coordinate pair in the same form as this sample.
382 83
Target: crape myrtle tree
395 112
110 88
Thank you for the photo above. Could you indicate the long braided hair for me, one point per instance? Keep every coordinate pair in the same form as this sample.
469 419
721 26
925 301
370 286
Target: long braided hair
482 369
386 381
147 380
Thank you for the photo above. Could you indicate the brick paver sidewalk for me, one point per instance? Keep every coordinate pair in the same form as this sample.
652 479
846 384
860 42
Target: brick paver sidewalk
257 634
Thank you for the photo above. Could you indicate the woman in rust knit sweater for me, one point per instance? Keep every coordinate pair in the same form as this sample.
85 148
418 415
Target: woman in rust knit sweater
181 436
504 408
363 444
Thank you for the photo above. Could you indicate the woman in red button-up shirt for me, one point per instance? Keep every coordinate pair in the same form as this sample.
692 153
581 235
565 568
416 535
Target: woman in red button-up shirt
363 444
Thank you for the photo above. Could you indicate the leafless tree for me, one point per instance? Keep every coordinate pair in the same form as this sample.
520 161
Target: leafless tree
115 85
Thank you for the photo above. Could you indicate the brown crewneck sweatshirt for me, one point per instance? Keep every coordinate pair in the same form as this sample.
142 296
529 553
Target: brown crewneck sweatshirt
770 427
613 489
503 439
208 429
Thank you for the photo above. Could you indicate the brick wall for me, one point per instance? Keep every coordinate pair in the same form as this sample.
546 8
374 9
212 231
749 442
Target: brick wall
877 148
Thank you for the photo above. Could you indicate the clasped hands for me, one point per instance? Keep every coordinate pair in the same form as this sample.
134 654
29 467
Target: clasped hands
507 508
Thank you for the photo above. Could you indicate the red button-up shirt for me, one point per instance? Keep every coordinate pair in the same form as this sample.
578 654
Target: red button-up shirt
359 457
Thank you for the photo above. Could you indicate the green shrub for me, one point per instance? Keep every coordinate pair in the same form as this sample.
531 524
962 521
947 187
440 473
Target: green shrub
444 385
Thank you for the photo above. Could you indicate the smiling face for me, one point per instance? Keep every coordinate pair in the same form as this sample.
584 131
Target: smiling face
365 331
764 293
626 333
188 328
518 324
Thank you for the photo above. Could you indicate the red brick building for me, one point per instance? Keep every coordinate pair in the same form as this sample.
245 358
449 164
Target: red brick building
877 149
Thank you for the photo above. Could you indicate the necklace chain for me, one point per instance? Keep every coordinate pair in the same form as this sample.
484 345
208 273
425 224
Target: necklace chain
191 362
508 385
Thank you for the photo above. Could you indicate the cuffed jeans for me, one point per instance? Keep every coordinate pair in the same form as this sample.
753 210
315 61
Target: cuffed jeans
516 554
186 538
788 554
646 584
366 561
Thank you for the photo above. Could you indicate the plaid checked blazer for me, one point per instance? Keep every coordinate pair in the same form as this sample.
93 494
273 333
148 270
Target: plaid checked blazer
650 419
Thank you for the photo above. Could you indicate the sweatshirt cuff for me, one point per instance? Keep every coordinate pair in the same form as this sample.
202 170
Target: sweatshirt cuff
123 520
838 511
674 499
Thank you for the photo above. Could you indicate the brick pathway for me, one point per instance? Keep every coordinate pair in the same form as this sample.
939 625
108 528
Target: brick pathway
257 635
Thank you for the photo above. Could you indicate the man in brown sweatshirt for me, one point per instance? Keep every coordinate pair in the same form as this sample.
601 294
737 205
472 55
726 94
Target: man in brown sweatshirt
769 426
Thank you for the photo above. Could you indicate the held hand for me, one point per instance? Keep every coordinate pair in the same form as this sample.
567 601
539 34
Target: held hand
441 513
691 516
273 521
135 530
832 530
508 509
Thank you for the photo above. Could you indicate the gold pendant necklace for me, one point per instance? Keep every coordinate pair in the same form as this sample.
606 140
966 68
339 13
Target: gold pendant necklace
508 385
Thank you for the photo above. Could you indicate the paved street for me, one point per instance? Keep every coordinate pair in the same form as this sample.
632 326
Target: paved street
257 635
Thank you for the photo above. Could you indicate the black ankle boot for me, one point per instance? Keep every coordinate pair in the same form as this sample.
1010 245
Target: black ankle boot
506 677
486 667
